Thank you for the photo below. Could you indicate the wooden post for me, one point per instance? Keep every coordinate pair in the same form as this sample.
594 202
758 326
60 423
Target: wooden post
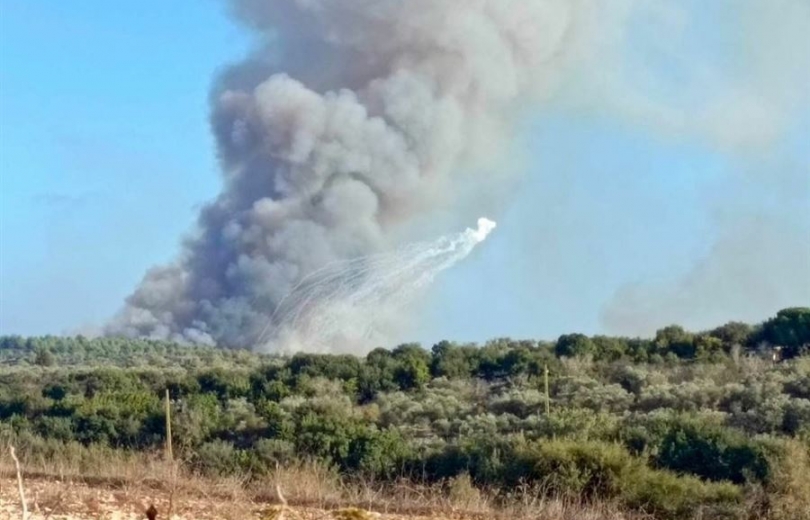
545 381
169 453
20 487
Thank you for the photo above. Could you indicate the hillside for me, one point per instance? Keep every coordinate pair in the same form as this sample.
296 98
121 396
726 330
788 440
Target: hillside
676 426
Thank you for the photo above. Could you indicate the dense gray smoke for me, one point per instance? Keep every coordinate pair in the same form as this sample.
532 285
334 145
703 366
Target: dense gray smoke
351 120
355 124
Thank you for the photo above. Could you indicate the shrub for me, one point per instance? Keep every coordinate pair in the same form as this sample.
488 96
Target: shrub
576 423
796 418
632 378
789 486
578 392
799 387
577 469
217 458
712 452
669 496
518 402
269 452
378 454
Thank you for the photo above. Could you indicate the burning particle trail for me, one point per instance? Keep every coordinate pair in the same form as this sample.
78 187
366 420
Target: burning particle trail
344 302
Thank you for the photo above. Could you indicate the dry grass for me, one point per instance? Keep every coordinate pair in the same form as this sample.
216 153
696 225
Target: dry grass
126 485
74 501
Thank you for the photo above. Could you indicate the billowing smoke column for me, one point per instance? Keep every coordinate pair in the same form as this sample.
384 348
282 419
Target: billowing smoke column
394 102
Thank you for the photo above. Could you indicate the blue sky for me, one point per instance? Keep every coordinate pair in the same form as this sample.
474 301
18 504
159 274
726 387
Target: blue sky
601 205
105 156
104 151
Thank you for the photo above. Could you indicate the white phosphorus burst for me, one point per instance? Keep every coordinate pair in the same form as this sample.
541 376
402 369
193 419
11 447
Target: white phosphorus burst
344 304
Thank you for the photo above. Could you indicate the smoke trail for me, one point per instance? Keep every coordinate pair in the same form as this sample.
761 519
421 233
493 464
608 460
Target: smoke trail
343 305
393 102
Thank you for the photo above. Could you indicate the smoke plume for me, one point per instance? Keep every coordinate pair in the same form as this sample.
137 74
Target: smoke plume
354 123
352 119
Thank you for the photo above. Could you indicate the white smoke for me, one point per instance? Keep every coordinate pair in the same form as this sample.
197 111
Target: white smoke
350 305
392 102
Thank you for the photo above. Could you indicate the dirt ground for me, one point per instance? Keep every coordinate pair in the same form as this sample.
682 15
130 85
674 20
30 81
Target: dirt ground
55 500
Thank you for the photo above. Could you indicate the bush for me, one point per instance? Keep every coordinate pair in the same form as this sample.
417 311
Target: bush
579 392
796 418
577 424
788 492
218 458
670 496
573 468
269 452
379 454
712 452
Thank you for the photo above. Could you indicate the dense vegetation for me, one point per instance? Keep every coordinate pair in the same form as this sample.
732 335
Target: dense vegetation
677 425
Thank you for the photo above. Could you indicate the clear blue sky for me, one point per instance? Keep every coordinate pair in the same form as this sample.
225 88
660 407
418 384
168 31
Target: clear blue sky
105 155
104 150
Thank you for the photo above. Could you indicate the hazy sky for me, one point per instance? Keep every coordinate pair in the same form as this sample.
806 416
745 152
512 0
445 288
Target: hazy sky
631 213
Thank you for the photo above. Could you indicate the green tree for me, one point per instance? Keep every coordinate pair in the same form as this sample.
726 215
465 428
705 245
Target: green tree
226 384
327 436
43 357
377 375
676 340
574 345
712 452
733 333
412 369
279 422
609 349
789 329
452 361
708 347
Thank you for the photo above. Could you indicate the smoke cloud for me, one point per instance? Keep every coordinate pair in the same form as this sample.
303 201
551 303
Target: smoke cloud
355 122
351 120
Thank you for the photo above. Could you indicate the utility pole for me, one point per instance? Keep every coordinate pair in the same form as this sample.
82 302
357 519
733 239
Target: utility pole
545 381
169 454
